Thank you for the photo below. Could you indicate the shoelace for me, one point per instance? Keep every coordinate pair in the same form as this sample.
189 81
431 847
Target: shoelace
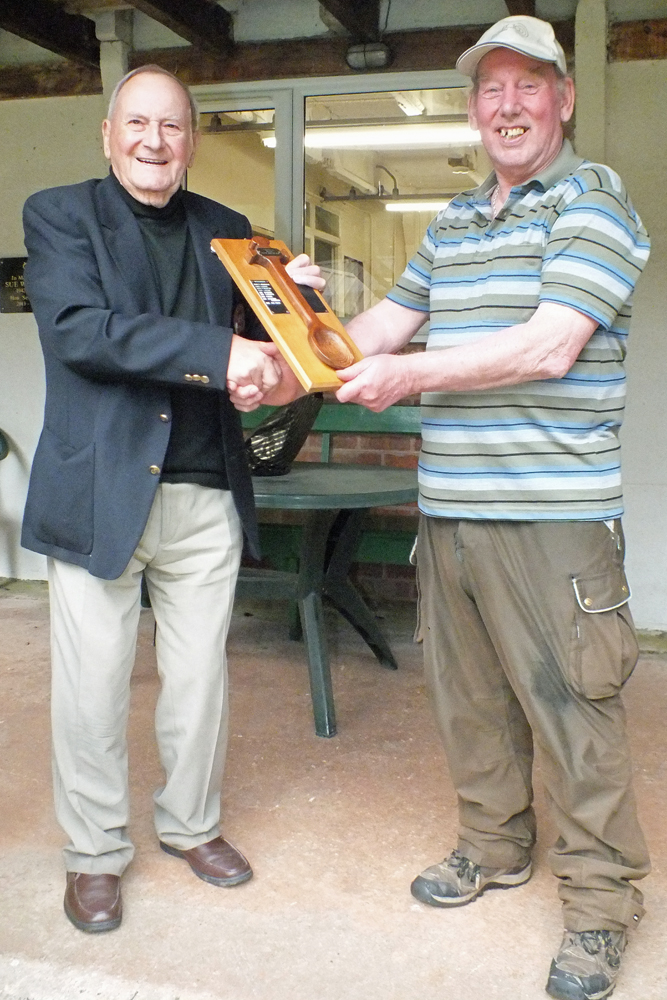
594 941
465 867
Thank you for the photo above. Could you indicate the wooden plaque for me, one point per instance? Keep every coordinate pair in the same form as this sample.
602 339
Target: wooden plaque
309 335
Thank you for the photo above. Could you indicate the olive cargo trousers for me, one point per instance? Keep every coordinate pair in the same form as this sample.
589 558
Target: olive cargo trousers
527 636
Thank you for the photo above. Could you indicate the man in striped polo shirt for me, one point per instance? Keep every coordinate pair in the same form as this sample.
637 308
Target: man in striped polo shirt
528 282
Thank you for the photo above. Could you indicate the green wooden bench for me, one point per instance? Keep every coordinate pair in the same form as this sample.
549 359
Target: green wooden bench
280 542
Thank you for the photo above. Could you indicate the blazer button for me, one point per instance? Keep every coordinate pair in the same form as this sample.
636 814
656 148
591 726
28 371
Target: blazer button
164 417
154 470
205 379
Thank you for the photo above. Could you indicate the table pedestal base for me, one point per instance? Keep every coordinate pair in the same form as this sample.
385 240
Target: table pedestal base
328 544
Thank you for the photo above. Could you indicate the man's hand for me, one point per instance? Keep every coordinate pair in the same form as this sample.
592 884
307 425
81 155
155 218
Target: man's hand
249 397
304 273
252 372
376 382
289 387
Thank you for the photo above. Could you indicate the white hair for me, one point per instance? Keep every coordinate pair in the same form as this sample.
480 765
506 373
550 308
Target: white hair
150 68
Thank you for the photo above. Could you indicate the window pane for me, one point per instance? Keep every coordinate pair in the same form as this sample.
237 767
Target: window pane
234 164
368 157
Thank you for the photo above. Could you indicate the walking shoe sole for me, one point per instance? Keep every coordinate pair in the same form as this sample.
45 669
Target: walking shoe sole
578 994
211 879
421 889
573 991
97 927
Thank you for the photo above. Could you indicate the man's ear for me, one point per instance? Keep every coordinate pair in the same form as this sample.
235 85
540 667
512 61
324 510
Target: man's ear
106 126
567 101
195 146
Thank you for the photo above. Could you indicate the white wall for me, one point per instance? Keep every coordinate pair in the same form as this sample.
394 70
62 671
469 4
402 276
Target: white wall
636 142
44 143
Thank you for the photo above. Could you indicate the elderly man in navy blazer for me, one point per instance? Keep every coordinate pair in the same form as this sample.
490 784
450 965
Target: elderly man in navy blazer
140 469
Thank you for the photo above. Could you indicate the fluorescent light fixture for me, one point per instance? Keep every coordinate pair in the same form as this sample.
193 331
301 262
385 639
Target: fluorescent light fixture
416 206
387 136
409 103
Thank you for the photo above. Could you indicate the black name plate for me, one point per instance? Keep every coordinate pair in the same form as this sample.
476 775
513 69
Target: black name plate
13 298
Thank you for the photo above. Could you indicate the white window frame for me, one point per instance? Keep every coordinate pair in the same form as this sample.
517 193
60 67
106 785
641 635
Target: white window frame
288 97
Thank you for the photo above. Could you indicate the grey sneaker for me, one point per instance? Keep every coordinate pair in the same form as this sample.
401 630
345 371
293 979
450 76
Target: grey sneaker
457 881
587 965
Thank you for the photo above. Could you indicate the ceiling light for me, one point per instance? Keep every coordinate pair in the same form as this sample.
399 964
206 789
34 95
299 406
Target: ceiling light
409 103
371 55
387 136
416 206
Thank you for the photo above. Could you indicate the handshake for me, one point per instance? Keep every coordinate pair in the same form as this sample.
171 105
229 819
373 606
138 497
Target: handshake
257 372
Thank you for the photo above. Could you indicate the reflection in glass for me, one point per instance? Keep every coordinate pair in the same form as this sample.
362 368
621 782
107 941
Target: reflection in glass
233 166
383 164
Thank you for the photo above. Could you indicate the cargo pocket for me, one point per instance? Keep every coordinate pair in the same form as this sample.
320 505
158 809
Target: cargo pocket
604 647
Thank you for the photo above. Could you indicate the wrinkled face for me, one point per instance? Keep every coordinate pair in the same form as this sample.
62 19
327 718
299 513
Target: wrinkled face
519 106
149 139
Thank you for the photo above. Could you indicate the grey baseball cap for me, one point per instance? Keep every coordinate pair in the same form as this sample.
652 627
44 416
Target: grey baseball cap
528 35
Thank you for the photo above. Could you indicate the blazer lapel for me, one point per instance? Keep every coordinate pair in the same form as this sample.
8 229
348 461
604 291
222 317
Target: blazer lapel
125 244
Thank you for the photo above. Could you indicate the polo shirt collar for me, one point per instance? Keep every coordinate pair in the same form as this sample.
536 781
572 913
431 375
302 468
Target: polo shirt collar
565 164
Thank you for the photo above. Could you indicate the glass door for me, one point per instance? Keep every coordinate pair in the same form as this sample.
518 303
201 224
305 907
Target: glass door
234 166
378 168
351 169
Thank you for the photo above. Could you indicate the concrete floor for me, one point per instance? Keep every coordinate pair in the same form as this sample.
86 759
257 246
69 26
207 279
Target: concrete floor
335 830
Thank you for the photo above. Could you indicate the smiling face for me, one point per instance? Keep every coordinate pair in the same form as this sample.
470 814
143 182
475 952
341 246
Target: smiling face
519 106
149 139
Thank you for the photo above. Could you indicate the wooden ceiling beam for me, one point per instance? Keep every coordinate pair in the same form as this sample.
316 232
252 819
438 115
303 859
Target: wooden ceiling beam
361 20
46 25
414 50
204 23
433 49
515 7
638 40
83 6
55 80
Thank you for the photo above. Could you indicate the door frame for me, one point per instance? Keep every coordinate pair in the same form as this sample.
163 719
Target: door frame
288 97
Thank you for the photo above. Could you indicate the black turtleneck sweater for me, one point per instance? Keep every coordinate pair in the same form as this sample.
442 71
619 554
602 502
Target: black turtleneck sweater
194 453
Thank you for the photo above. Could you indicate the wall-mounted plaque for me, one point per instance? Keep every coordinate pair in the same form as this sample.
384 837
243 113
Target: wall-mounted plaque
13 298
308 333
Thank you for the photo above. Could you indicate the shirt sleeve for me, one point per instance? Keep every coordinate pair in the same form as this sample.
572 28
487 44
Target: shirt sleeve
595 253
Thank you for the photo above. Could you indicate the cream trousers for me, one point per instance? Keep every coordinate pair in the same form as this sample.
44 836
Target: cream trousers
190 553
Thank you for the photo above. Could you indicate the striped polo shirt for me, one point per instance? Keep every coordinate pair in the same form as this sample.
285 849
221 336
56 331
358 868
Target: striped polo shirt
541 450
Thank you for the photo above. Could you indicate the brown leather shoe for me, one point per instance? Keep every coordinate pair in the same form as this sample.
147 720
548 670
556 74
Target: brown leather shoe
216 862
93 902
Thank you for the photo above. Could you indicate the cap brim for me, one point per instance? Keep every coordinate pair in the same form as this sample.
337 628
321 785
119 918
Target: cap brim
468 62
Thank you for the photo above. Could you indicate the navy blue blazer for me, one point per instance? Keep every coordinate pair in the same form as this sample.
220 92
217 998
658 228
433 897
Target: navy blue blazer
110 360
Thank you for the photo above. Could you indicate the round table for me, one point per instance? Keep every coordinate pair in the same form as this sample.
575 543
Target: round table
335 497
